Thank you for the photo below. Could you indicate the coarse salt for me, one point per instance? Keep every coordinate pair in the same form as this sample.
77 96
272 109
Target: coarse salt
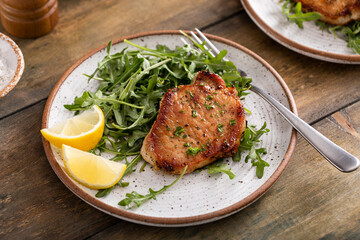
6 74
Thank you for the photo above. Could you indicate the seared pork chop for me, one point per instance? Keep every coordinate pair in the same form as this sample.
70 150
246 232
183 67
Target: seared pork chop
337 12
196 125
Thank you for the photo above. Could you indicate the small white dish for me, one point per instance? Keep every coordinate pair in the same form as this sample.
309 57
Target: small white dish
310 41
11 64
198 197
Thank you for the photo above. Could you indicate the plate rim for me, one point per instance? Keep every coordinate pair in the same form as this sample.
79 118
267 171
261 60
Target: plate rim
19 68
166 221
295 46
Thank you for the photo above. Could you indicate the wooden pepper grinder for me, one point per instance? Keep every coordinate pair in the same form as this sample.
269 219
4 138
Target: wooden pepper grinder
29 18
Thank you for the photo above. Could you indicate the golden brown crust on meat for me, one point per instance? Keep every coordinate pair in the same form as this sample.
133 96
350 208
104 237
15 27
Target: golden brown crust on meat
212 118
337 12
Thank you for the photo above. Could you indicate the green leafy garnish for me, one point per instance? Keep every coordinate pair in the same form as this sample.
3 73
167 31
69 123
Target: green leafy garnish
220 168
349 33
293 13
135 199
232 122
248 143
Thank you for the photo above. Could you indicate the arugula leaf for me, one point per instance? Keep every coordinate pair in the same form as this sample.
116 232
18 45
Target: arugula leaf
104 192
294 13
248 143
220 168
135 199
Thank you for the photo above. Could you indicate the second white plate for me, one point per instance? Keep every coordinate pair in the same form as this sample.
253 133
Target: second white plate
310 41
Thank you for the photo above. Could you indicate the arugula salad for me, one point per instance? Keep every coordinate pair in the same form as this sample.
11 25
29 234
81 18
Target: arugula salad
131 86
349 33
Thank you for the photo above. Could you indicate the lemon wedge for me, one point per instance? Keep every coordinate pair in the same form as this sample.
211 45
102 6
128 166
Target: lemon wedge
83 131
91 170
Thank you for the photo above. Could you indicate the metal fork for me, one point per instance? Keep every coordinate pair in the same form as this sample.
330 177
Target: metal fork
337 156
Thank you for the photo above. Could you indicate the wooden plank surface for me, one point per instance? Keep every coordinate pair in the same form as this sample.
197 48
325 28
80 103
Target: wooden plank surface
310 200
86 25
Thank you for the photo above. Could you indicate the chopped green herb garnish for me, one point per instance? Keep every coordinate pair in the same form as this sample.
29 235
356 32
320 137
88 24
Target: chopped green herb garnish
220 127
209 98
232 122
182 111
179 130
217 104
167 128
209 107
193 151
184 136
186 144
194 113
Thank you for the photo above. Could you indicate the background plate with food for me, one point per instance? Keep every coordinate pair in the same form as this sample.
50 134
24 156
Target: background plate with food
199 197
316 40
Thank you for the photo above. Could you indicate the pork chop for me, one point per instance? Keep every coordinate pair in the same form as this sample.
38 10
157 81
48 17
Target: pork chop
338 12
197 124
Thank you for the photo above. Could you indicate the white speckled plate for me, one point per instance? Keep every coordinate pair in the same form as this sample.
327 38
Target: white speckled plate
198 198
310 41
12 58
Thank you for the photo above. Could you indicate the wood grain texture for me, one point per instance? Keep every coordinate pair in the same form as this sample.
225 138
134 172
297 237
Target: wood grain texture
86 25
319 88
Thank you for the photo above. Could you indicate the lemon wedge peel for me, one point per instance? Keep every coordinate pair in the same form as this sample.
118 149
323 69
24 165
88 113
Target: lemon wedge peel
90 170
83 131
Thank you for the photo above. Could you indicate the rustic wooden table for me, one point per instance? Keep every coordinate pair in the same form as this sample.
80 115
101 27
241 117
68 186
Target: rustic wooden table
310 200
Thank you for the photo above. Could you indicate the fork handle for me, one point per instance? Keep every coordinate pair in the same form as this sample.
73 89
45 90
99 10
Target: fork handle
337 156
